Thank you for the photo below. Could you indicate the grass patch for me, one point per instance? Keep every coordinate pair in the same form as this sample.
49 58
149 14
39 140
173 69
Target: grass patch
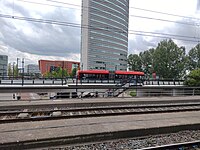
133 93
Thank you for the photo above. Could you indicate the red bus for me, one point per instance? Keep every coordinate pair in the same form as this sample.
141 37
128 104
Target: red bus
128 74
105 74
93 74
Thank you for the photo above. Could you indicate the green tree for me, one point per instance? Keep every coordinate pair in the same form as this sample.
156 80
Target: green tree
169 60
58 73
193 79
15 70
61 73
134 62
10 73
54 74
47 75
147 61
65 73
194 58
73 73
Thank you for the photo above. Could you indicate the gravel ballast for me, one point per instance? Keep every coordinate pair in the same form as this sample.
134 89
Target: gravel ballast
137 143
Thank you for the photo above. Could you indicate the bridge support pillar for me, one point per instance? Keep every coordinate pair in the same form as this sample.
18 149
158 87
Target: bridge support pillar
176 92
140 93
70 94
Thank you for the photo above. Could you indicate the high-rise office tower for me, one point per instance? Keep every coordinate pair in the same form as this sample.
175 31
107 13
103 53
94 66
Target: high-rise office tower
3 65
104 34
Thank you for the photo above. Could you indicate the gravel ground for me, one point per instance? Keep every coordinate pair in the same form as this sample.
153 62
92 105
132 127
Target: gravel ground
129 144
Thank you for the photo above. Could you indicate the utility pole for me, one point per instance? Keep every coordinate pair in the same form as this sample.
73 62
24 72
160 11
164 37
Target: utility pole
3 71
17 67
28 71
13 69
22 71
62 71
76 77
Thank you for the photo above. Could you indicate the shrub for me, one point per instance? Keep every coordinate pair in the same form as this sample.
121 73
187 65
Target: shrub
193 79
133 93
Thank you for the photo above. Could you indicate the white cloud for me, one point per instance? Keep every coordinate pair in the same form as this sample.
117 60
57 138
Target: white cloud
34 41
32 58
179 7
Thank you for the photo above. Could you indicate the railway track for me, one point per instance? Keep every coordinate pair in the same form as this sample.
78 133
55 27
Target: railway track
135 144
23 115
178 146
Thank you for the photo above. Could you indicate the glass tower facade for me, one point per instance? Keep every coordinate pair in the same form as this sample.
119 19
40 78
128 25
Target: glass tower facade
104 35
3 65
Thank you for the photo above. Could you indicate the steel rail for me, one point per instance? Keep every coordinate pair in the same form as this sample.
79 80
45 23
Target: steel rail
179 146
93 108
10 117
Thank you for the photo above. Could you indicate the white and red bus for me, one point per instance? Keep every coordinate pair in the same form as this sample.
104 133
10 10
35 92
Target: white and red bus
110 75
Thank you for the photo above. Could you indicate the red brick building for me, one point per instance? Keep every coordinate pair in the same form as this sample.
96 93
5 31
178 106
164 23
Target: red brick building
48 65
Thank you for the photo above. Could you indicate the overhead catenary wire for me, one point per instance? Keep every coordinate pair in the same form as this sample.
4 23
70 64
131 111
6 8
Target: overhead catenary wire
39 3
137 16
79 7
142 17
153 11
165 20
144 33
108 29
79 25
164 13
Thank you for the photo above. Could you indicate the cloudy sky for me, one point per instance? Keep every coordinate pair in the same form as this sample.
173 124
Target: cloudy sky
22 37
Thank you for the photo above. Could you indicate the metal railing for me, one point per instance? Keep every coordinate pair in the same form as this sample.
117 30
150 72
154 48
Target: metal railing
36 81
74 80
163 82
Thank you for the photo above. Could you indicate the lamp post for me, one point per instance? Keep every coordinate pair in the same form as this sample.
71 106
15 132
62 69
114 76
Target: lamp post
28 71
4 72
13 69
22 71
62 71
17 67
76 77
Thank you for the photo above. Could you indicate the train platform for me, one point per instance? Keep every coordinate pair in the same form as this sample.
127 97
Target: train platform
100 101
92 129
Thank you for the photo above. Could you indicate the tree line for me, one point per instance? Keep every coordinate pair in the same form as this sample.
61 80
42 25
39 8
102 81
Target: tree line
13 70
167 60
59 72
